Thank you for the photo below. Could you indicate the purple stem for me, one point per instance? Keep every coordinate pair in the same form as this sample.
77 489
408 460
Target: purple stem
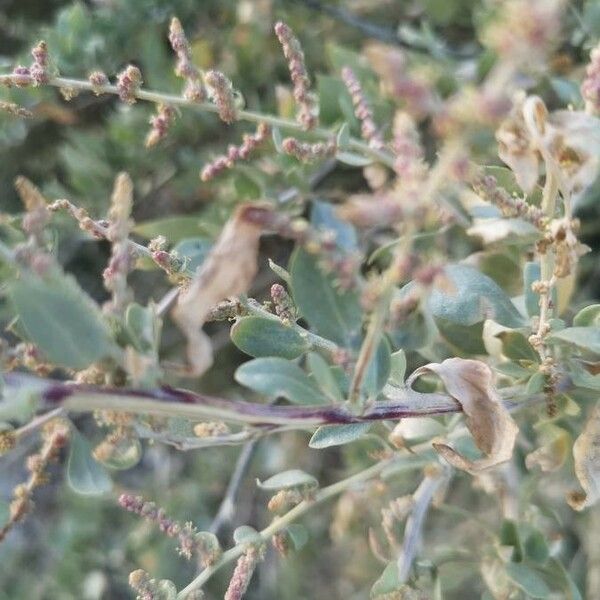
408 403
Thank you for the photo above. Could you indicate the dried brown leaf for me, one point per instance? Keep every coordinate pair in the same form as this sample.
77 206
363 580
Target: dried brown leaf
470 382
228 271
586 455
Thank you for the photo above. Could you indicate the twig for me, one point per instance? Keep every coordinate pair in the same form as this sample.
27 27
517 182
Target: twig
414 524
226 510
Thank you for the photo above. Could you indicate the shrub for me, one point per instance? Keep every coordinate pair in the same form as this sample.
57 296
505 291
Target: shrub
399 300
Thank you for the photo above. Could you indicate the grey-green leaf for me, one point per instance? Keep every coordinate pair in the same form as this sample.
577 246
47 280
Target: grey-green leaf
587 338
472 297
528 580
332 313
324 376
193 251
61 320
288 479
261 336
398 367
337 435
84 474
588 316
378 371
277 377
354 160
246 535
298 534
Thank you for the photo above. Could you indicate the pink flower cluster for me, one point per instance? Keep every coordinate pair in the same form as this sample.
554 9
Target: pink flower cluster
307 115
128 83
98 79
204 543
362 110
185 68
306 152
39 67
160 123
221 92
236 153
37 73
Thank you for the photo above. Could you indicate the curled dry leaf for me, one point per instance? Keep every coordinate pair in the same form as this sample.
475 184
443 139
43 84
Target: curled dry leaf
470 382
227 271
586 455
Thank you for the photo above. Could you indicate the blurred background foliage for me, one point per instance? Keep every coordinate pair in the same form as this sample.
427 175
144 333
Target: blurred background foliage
83 548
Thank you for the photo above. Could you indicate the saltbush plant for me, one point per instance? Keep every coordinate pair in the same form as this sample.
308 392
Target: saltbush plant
386 298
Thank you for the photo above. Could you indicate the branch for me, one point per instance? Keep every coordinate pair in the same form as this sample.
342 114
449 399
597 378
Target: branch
169 402
243 115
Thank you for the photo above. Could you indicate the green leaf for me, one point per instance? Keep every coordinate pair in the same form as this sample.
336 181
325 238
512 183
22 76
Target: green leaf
246 535
329 90
506 179
398 368
583 378
261 336
84 474
510 536
535 384
535 547
332 313
193 251
353 159
472 297
378 371
337 435
279 271
247 187
560 577
298 534
142 326
531 273
324 377
387 583
464 339
588 316
174 229
343 136
63 321
516 347
277 377
587 338
528 580
285 480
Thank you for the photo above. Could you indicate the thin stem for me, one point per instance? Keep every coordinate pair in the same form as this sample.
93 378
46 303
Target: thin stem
243 115
37 422
422 497
227 507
